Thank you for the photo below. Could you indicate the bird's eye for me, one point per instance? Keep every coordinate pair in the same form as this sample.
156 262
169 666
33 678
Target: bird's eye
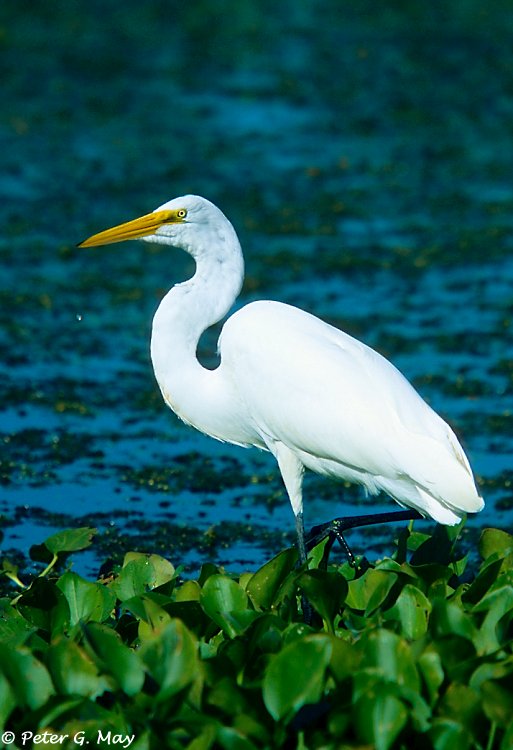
181 213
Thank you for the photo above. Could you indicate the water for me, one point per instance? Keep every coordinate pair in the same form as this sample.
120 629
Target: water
365 159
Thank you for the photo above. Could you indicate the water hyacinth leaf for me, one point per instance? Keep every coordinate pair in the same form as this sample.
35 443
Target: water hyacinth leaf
495 542
390 657
318 556
446 734
345 659
141 573
28 677
229 738
14 629
369 591
87 601
483 582
462 704
189 591
152 617
491 671
7 699
114 658
448 619
163 570
325 591
507 740
379 717
207 569
265 583
72 671
432 672
44 605
412 610
205 740
70 540
171 657
296 676
387 564
437 548
227 696
227 604
497 698
497 604
11 570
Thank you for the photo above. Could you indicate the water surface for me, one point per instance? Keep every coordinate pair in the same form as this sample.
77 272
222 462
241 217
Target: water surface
365 159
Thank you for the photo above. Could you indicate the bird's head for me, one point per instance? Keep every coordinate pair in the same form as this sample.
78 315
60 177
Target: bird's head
179 222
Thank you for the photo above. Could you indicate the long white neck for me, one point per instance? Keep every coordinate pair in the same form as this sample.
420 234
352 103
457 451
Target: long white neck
192 391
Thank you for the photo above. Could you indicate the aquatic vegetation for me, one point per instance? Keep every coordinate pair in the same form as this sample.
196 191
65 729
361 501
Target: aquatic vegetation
413 650
347 143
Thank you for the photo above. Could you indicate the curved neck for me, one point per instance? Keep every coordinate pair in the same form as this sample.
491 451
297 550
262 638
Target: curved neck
191 390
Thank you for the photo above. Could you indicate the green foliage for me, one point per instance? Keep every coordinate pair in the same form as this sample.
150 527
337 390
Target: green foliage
411 651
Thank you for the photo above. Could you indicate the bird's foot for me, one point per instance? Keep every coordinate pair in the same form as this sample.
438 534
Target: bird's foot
335 529
334 532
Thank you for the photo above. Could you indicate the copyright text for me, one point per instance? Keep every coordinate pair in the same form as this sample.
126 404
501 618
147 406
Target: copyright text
78 738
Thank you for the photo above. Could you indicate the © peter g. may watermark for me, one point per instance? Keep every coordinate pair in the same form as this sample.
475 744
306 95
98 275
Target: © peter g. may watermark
78 738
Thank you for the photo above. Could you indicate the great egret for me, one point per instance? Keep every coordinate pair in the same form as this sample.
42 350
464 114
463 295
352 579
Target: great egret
290 383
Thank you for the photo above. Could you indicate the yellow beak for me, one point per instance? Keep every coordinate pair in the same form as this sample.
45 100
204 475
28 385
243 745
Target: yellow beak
131 230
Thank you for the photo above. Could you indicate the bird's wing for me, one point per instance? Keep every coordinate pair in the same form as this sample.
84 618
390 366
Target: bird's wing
327 395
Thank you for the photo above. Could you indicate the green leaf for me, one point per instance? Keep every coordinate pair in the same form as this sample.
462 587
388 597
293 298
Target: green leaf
72 671
87 601
152 617
507 740
370 590
227 696
491 671
171 658
497 604
14 629
497 701
27 676
432 672
402 569
189 591
265 583
325 591
44 606
345 659
495 542
70 540
11 571
483 582
448 619
230 739
390 657
412 610
141 573
462 704
115 658
380 717
7 699
227 604
446 734
296 676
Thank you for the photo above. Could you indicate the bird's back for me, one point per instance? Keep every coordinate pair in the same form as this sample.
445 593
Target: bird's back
344 409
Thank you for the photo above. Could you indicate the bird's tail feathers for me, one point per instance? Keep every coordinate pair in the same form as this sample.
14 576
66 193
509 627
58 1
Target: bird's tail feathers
446 494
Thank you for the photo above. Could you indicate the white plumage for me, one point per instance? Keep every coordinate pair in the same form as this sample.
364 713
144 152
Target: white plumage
290 383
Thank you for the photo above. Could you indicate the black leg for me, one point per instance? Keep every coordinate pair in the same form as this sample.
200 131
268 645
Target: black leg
301 548
300 534
335 529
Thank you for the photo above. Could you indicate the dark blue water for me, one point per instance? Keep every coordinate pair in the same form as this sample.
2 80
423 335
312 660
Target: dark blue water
365 158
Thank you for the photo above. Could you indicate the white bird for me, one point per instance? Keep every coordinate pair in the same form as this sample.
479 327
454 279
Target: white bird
290 383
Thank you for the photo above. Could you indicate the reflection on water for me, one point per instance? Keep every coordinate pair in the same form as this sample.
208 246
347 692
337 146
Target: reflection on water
366 164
